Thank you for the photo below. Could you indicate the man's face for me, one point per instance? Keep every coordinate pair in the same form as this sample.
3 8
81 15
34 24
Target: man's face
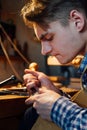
62 42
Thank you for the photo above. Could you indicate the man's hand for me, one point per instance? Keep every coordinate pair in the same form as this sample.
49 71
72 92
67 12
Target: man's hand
43 102
35 79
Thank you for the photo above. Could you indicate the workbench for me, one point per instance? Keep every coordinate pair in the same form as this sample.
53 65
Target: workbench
12 108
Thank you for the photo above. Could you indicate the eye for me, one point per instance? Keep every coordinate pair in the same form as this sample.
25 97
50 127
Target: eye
48 38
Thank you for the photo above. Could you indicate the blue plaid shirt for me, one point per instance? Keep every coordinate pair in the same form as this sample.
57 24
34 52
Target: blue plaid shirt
68 115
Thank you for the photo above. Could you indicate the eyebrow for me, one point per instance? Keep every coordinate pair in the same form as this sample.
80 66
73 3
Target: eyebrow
42 36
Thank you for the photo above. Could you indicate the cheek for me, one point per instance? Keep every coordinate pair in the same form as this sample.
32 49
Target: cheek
59 45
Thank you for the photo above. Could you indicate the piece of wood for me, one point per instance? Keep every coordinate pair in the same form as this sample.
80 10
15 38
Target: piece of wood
42 124
12 108
12 105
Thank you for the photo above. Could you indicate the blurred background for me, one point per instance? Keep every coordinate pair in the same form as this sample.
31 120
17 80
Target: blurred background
24 39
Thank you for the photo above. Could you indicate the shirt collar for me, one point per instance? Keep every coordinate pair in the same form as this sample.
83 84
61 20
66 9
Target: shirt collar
83 64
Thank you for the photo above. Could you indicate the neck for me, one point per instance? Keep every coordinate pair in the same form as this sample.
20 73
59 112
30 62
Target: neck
86 48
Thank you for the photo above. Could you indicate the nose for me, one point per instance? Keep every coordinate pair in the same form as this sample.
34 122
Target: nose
46 48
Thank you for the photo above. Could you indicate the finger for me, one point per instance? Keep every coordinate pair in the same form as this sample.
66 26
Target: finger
31 99
28 77
33 84
35 73
34 106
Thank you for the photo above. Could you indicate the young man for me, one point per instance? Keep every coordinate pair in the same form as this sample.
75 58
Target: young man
61 26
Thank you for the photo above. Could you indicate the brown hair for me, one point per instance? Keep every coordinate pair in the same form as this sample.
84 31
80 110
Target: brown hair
45 11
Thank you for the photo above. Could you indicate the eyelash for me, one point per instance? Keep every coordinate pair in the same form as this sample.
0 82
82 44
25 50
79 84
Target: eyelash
49 39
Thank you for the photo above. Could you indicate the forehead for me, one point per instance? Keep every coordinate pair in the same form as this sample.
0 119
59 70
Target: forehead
52 27
40 30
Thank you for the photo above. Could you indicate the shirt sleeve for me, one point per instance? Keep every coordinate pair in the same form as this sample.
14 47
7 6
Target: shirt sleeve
68 115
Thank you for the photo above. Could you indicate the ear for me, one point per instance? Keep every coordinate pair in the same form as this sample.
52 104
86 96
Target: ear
78 18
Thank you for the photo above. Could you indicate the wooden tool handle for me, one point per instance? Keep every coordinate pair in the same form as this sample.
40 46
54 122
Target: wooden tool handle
33 66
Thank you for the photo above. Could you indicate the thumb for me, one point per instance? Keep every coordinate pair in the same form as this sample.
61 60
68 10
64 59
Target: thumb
30 100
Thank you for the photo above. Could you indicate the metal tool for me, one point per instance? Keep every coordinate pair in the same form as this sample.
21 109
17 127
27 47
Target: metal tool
13 92
4 82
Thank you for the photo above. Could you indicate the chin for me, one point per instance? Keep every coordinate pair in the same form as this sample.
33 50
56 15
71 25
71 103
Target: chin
64 61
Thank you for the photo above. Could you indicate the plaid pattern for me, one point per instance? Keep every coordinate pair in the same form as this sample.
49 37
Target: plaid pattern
84 79
68 115
83 65
83 72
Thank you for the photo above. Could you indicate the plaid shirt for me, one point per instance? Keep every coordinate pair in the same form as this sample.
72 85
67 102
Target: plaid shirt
68 115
